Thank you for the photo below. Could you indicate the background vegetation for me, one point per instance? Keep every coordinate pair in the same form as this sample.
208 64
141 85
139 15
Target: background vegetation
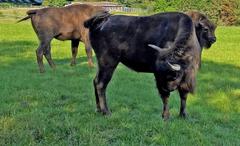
223 12
57 107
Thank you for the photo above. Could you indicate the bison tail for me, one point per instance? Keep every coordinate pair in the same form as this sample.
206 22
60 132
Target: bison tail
29 13
23 19
97 20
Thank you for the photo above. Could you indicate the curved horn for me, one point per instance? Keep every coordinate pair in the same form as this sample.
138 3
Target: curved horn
175 67
162 51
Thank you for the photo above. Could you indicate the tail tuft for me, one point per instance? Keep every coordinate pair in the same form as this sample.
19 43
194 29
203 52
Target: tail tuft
31 12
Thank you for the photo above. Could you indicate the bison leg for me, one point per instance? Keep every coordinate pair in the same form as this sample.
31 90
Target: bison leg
89 53
48 56
95 82
74 45
100 82
165 113
39 54
183 96
164 96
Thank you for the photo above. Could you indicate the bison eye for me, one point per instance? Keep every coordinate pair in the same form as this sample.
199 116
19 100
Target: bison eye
205 29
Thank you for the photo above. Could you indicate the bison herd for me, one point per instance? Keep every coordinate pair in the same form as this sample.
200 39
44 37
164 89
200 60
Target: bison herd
169 45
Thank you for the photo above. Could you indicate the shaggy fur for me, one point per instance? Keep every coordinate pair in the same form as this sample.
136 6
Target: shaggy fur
126 39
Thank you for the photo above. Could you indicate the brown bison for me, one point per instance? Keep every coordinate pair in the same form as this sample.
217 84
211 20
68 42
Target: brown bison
64 23
152 44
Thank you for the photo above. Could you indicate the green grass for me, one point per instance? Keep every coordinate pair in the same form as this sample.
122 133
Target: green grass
58 107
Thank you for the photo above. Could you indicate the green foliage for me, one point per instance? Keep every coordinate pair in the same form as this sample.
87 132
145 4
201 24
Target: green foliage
238 12
164 6
220 11
57 107
228 12
10 5
130 3
54 3
5 5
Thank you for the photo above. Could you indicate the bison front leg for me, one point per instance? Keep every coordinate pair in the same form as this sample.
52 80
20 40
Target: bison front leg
164 96
101 81
165 113
74 45
183 95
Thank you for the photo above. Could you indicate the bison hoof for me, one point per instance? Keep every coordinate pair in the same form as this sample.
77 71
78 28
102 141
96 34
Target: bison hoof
106 112
98 110
53 67
73 64
165 115
183 115
90 64
41 70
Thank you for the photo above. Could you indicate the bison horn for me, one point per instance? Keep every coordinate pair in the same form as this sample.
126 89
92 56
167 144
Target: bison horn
162 51
175 67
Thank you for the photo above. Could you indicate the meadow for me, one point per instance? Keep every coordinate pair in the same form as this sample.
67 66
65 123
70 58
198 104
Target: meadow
58 107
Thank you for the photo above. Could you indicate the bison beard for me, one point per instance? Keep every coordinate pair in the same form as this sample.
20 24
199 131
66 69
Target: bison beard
154 44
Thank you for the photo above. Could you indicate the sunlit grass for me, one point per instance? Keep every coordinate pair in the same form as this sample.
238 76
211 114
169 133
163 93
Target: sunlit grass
57 107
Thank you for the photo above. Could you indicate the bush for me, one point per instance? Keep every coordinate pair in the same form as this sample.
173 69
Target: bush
238 13
228 14
164 6
10 5
54 3
5 5
225 12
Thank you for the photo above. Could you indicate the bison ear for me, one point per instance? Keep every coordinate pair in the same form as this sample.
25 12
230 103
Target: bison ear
199 24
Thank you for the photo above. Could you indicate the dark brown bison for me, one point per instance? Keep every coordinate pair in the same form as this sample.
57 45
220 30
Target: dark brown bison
64 23
138 43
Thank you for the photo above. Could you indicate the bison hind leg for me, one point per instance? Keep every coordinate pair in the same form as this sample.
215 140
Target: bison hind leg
39 54
88 50
48 56
43 49
183 96
74 45
106 66
100 84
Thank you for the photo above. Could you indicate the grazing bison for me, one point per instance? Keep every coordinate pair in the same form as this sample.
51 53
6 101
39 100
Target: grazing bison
153 44
64 23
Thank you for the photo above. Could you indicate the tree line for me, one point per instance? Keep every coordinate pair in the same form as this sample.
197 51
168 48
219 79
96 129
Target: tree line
223 12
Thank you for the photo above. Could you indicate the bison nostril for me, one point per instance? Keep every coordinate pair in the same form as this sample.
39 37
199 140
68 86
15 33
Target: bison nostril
213 39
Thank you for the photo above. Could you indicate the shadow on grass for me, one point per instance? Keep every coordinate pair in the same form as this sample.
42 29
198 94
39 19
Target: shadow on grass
218 87
218 84
17 48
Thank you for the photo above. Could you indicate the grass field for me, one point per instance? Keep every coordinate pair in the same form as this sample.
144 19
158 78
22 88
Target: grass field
58 107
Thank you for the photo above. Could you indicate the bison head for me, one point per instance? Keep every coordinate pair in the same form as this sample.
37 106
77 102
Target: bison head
205 29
